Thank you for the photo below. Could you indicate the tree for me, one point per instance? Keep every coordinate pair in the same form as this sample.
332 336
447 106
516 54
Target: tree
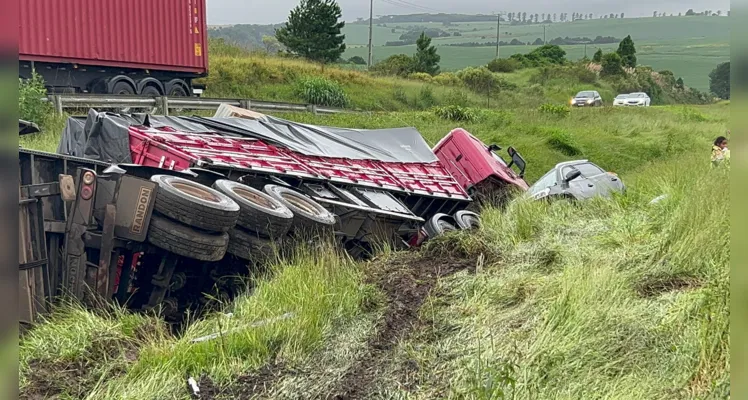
524 17
426 60
554 17
719 13
679 84
313 31
543 16
611 65
612 15
621 15
654 14
598 56
719 81
271 43
616 16
358 60
690 12
627 52
396 64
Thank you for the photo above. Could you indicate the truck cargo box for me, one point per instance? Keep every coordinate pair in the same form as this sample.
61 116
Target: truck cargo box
144 34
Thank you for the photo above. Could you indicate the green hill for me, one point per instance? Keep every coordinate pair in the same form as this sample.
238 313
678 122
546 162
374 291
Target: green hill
689 46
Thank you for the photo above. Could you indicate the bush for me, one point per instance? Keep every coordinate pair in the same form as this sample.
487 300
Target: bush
456 113
554 109
447 79
321 91
421 76
30 104
397 64
479 79
358 60
503 65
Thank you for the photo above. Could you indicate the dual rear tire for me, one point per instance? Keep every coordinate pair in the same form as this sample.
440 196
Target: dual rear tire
204 223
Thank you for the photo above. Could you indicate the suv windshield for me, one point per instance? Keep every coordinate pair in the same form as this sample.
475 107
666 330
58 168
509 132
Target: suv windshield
584 95
622 96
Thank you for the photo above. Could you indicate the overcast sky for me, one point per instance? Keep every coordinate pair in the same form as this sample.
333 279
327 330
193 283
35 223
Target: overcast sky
273 11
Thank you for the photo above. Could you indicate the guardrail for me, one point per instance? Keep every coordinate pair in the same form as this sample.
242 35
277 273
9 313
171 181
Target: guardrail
163 103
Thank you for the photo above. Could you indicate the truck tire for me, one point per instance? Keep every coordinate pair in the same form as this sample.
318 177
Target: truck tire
185 241
438 225
150 91
194 204
250 246
467 220
308 214
259 212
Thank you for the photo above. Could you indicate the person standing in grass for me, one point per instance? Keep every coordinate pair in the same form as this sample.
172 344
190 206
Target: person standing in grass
720 152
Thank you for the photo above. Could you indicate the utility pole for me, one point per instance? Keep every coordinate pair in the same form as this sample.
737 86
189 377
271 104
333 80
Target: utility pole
544 43
371 30
585 49
498 34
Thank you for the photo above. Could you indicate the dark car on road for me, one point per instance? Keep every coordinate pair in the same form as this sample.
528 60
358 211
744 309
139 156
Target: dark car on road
587 98
579 180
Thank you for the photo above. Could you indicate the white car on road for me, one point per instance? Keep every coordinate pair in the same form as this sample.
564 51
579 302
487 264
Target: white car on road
640 99
620 100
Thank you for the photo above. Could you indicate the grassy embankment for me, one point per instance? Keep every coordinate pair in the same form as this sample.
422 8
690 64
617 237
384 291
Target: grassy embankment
614 299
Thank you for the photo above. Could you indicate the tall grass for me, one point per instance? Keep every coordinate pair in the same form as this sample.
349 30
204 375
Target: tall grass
313 290
605 299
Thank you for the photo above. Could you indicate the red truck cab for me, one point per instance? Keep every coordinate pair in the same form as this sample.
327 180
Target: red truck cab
477 167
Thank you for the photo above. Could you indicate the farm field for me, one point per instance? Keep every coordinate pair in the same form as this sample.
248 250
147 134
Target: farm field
662 43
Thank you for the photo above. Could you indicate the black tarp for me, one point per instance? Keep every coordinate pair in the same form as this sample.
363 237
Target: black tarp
103 136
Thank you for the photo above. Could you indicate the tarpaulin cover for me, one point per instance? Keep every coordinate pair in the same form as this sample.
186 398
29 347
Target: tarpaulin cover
104 137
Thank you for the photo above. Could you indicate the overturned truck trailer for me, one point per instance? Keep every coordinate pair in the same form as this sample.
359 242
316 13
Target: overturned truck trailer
156 211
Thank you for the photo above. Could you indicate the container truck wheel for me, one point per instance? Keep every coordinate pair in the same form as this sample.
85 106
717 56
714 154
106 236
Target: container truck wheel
259 212
438 225
185 241
250 246
467 220
308 214
150 91
194 204
123 88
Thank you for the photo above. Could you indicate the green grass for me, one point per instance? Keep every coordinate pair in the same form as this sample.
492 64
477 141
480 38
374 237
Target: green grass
604 299
662 43
319 288
607 299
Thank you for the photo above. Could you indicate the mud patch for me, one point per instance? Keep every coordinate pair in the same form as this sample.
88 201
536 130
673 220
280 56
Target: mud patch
75 378
406 282
106 358
245 387
653 286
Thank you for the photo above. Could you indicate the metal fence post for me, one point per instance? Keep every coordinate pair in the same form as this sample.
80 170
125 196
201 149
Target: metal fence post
163 104
245 104
311 108
56 103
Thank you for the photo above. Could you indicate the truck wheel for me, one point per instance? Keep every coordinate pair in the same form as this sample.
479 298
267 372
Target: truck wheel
185 241
308 214
194 204
259 212
150 91
438 225
123 88
467 220
250 246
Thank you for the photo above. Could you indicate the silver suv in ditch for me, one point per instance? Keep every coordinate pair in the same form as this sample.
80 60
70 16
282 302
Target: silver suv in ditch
578 179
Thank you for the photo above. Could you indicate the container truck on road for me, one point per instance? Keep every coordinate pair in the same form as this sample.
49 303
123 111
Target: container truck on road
124 47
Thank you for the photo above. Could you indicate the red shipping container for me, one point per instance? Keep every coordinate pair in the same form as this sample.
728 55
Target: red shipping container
146 34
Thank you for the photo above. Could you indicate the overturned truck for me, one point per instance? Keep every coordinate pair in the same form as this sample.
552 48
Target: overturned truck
155 212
